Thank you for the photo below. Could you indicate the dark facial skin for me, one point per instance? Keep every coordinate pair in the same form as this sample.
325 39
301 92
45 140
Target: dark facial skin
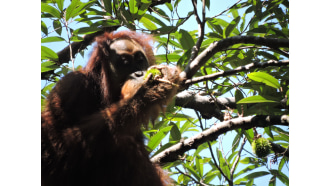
127 61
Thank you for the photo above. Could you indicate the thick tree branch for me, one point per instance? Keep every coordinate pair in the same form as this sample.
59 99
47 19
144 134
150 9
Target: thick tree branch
171 154
207 106
235 71
217 46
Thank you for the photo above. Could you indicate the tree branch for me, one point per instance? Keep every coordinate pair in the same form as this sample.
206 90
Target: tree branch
217 46
201 30
171 154
247 67
237 159
207 106
279 149
64 56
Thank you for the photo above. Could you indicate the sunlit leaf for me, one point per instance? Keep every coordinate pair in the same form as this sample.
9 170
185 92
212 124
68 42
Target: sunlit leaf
284 178
193 171
147 23
57 27
264 77
175 133
76 7
44 28
169 57
47 53
185 39
256 99
48 65
256 174
157 138
60 4
52 39
232 25
51 10
86 30
133 6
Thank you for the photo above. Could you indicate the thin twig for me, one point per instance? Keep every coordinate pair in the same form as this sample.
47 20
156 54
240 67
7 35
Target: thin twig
201 30
226 9
192 178
237 159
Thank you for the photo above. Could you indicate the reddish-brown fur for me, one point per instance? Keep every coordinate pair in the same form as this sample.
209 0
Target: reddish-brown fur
91 127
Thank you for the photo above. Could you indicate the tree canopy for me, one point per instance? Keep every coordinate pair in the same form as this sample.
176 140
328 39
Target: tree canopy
234 57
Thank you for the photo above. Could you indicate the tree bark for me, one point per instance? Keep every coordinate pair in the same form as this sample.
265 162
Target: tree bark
172 153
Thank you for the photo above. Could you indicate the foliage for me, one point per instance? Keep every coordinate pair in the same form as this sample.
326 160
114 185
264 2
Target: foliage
257 91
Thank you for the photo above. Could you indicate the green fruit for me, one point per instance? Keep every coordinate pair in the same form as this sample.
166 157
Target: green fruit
261 147
154 73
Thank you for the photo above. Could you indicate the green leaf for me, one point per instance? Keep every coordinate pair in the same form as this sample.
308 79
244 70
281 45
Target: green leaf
272 181
249 134
76 8
71 8
247 160
222 163
238 97
147 23
155 20
232 25
214 24
60 4
246 169
207 4
199 165
268 131
52 39
51 10
257 99
283 161
234 12
86 30
169 57
169 6
192 171
264 77
209 176
256 174
48 65
287 94
143 9
250 182
175 132
284 178
236 141
44 28
57 27
185 39
157 138
108 6
47 53
163 147
133 6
